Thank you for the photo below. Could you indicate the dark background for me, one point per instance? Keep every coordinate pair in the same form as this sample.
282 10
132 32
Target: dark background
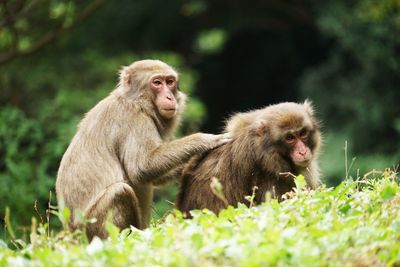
59 58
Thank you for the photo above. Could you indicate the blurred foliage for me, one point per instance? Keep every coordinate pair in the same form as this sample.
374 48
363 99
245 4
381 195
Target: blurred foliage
356 87
18 37
211 41
60 57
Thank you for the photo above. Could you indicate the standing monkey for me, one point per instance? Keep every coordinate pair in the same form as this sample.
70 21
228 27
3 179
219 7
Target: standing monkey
267 144
122 147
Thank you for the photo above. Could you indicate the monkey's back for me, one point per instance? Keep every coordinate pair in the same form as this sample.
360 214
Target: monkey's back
90 160
236 166
196 179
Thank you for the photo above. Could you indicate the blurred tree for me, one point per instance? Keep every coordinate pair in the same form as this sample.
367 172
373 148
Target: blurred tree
28 26
356 87
260 53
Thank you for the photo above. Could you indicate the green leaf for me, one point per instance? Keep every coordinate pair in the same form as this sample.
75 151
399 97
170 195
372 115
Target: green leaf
24 43
211 41
112 230
58 10
388 192
344 208
300 182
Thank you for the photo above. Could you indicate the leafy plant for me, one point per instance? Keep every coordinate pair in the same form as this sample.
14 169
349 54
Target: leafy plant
355 224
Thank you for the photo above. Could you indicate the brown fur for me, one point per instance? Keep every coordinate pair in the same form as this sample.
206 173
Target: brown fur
121 149
255 157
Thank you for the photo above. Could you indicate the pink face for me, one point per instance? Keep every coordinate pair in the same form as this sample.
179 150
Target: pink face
300 153
164 87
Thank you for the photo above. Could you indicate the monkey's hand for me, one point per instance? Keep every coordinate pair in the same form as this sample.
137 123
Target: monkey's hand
217 140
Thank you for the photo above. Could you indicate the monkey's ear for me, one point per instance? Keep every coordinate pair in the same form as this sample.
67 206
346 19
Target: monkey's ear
125 77
260 127
309 107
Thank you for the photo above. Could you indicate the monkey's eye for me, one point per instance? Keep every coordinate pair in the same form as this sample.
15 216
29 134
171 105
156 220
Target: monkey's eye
157 82
171 82
304 134
290 138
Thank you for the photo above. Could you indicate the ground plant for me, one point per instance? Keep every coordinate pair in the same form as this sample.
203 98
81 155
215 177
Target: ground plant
356 223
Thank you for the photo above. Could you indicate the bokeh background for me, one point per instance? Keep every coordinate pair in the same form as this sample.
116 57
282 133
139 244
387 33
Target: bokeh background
59 57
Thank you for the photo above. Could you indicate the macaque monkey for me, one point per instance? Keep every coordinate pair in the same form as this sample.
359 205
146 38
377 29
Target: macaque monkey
122 147
269 147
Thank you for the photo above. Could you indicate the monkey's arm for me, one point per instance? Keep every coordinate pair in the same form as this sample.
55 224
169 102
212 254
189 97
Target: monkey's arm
152 160
169 155
172 175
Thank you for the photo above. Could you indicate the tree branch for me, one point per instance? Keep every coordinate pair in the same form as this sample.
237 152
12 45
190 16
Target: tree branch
52 35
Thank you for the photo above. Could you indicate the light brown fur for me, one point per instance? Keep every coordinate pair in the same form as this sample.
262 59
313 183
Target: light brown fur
257 156
122 148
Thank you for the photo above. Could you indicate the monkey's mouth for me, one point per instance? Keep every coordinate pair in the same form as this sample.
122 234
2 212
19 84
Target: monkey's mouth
168 113
302 163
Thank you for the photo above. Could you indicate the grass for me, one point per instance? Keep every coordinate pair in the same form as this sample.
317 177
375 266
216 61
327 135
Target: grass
355 224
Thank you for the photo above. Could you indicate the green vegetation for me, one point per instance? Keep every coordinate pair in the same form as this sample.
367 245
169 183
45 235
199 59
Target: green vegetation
355 224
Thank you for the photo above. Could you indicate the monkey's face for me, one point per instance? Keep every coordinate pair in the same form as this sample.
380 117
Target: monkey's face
290 135
164 88
298 143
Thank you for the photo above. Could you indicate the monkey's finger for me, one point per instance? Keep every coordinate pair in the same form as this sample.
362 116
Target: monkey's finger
227 135
225 138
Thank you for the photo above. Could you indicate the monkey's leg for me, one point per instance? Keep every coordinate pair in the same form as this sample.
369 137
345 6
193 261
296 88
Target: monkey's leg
121 200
